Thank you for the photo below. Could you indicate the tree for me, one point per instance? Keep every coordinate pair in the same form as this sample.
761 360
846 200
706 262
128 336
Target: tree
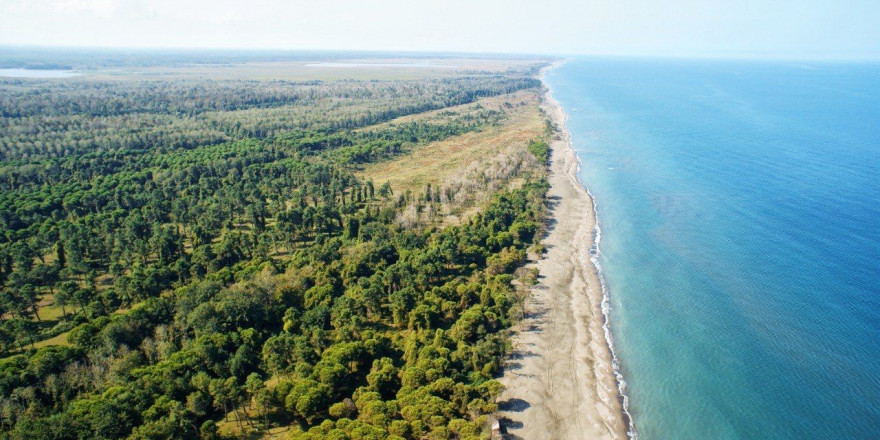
259 394
383 378
307 399
60 256
385 190
29 293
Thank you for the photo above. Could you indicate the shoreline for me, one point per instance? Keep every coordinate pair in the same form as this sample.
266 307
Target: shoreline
595 265
561 378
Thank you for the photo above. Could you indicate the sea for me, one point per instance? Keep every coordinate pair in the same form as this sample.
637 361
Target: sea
739 206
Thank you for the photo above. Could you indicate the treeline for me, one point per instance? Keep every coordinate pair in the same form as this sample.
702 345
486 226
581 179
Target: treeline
255 281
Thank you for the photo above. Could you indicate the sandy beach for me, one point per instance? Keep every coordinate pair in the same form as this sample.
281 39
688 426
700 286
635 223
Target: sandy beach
559 378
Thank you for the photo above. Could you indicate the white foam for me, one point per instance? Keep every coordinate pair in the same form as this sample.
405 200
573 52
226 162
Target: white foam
594 260
606 310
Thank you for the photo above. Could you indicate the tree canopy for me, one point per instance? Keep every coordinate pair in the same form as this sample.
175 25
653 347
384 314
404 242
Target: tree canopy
208 257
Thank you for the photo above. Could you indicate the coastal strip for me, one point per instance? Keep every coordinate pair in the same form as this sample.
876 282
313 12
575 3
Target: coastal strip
560 378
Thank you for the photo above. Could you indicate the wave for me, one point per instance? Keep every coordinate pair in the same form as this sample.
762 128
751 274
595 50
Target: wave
594 260
606 313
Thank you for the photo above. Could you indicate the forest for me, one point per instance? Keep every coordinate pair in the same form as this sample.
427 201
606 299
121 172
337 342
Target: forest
199 258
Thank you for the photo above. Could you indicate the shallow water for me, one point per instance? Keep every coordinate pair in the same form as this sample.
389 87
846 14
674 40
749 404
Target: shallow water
38 73
740 213
425 65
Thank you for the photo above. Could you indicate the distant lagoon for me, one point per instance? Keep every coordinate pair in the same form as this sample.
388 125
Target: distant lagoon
353 65
38 73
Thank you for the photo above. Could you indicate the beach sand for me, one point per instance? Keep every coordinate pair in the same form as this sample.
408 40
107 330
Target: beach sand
559 379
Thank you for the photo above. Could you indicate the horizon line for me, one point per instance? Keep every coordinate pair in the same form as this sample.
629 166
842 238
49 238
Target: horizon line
451 52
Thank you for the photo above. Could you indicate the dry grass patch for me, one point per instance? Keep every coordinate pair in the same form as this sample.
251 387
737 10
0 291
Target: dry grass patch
437 161
501 102
60 339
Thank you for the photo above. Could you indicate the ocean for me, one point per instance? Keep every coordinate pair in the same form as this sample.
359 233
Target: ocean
739 203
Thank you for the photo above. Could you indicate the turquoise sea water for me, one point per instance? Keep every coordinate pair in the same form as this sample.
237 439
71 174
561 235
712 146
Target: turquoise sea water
740 212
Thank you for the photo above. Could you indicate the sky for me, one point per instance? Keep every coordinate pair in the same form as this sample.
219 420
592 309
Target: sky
717 28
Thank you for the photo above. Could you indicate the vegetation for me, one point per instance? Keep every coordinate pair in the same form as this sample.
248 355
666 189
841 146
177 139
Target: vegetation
181 256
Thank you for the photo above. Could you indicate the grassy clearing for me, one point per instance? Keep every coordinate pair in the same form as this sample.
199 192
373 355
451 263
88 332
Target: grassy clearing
52 312
501 102
61 339
435 162
229 426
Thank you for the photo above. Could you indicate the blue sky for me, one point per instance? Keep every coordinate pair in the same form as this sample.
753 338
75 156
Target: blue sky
730 28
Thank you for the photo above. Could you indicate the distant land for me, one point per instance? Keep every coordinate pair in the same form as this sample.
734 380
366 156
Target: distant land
248 245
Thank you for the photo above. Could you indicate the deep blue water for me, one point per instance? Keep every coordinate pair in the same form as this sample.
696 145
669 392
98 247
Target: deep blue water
740 213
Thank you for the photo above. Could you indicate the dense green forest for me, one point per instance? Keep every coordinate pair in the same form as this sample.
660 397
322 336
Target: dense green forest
178 256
